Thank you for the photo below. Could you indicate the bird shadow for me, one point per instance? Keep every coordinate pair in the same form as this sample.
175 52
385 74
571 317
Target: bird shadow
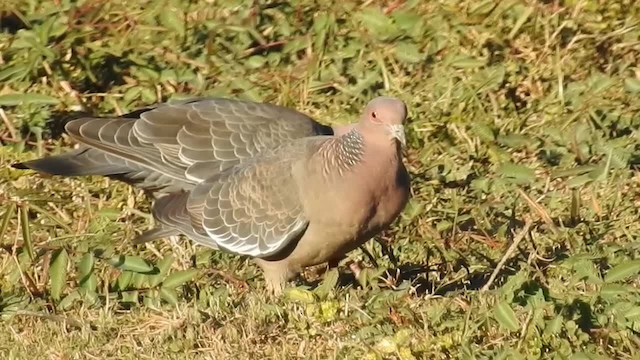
423 279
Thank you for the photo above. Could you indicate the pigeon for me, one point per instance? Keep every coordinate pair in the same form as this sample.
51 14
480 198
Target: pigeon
252 179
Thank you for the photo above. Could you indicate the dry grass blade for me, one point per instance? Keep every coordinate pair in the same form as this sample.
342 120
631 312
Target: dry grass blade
544 214
51 216
507 255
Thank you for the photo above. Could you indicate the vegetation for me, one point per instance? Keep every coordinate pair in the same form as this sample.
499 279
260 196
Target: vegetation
523 149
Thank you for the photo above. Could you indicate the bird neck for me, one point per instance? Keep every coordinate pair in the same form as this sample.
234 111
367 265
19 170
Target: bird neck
349 148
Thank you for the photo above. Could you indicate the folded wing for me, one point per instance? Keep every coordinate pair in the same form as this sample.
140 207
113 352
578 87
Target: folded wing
176 145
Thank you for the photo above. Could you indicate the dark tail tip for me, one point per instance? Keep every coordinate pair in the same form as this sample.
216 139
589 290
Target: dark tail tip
20 165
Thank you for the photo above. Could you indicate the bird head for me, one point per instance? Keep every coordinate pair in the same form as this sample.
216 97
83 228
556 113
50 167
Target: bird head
386 114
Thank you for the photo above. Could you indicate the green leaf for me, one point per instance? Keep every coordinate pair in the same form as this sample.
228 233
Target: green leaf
132 263
138 281
85 272
632 85
599 82
26 99
123 281
615 290
68 300
255 62
408 52
517 173
587 270
170 19
14 72
409 21
300 295
622 271
465 62
374 20
578 170
163 267
130 297
169 295
505 316
554 326
328 284
58 272
484 131
152 299
578 181
514 141
587 356
482 7
487 79
179 277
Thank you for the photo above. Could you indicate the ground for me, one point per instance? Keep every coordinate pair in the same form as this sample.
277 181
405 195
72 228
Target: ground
520 240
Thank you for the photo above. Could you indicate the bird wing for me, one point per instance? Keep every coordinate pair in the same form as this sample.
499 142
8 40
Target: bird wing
254 208
189 141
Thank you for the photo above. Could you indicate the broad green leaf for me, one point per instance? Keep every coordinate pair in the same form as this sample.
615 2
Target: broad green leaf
465 62
505 316
85 272
163 269
170 18
518 173
68 300
138 280
179 277
587 270
408 52
255 62
152 298
514 140
578 170
615 290
169 295
409 21
130 297
131 263
374 20
487 79
622 271
632 85
484 131
578 181
58 272
300 295
599 82
328 284
123 280
554 326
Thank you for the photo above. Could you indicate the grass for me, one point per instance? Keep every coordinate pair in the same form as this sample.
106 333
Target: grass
523 150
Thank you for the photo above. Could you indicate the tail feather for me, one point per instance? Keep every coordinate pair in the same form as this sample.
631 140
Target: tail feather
80 162
173 218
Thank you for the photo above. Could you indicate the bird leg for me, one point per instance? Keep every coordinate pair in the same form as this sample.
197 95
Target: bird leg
276 274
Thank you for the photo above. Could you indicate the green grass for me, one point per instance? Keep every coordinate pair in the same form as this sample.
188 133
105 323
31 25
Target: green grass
524 115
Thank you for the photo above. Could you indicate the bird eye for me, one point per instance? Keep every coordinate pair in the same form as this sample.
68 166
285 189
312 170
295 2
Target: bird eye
374 115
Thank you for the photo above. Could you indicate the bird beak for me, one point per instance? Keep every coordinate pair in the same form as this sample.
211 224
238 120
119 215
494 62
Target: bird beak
397 132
